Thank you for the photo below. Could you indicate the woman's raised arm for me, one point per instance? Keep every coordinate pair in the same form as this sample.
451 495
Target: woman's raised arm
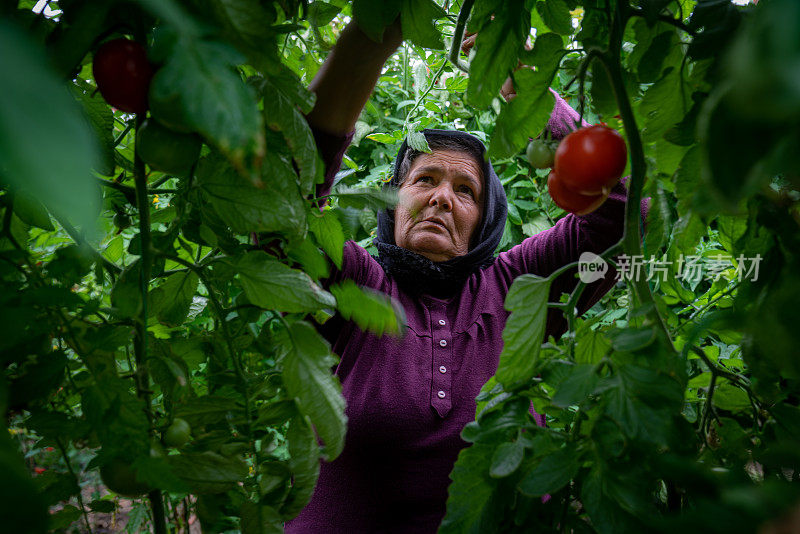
348 76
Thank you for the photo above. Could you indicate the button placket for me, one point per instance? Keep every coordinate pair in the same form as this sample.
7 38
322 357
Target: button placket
442 341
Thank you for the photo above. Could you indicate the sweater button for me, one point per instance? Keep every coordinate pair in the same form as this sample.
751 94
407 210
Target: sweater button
443 343
442 369
442 322
441 394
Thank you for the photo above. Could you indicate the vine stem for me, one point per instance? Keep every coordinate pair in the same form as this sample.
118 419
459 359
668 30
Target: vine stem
631 240
75 477
458 36
428 90
140 345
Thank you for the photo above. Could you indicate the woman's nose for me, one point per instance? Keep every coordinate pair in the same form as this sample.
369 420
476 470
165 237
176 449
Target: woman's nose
441 198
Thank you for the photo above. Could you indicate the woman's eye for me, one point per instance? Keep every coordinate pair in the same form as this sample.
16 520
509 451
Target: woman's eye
424 179
466 189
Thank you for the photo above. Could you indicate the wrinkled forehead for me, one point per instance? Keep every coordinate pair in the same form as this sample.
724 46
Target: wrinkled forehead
460 163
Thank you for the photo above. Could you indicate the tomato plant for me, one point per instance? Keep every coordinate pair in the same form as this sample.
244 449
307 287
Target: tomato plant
571 201
122 73
671 406
591 160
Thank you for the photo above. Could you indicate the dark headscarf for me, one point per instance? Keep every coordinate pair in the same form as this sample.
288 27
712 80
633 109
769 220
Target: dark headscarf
417 274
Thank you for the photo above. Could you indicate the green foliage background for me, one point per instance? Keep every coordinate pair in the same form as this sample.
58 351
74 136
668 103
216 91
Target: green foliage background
672 404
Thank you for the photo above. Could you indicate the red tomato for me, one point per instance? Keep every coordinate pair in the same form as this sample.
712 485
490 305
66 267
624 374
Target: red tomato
591 160
571 201
123 74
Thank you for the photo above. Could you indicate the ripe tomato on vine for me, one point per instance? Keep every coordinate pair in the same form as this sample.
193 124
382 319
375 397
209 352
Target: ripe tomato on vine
591 160
122 73
571 201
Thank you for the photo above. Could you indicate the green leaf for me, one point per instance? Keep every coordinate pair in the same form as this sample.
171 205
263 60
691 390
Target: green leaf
366 197
731 398
603 100
606 515
307 376
580 383
371 310
662 105
275 207
208 409
507 459
31 211
417 19
21 506
373 17
591 347
528 113
551 474
126 295
310 258
101 119
471 501
172 299
38 380
733 158
199 77
36 112
208 472
555 14
304 463
651 64
632 339
272 285
282 115
259 519
328 232
524 331
497 49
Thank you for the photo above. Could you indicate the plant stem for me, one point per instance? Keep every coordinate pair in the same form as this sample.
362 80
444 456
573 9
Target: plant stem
77 482
631 240
140 345
109 266
458 36
425 93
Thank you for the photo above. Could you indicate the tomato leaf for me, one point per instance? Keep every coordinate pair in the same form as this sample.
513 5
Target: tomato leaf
417 18
275 207
306 374
551 474
369 309
36 112
497 48
270 284
524 331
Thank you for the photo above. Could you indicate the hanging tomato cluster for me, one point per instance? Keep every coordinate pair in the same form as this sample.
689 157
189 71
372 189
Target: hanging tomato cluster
587 164
123 75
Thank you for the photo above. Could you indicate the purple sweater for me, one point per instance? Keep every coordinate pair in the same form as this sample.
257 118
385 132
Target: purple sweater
408 399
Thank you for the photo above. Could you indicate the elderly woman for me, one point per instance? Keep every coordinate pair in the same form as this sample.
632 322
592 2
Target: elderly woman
408 399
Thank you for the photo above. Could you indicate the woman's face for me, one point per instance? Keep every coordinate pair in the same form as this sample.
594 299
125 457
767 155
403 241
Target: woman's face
441 204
